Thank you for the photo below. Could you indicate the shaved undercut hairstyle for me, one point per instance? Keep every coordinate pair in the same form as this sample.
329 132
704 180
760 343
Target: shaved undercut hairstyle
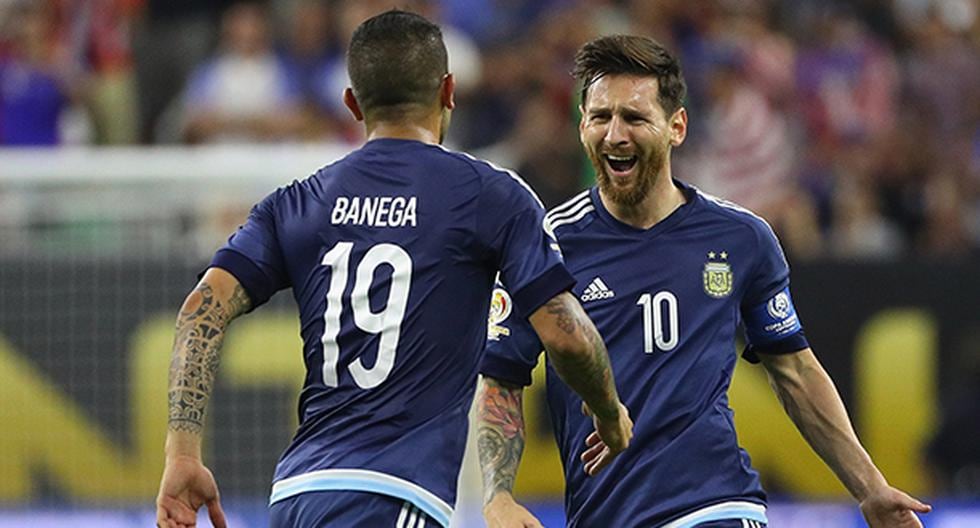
396 62
632 55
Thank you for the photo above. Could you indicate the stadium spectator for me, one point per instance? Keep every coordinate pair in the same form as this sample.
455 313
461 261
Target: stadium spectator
37 88
170 38
427 230
98 35
668 274
311 48
847 81
331 77
245 92
859 229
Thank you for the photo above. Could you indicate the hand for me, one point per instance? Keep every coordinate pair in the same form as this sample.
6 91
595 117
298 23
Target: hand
504 512
185 487
608 440
892 508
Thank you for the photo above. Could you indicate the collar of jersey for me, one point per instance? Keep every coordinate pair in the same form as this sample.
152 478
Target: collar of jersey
674 218
384 142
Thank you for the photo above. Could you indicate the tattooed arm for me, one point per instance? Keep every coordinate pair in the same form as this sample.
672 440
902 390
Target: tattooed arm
500 431
578 354
187 483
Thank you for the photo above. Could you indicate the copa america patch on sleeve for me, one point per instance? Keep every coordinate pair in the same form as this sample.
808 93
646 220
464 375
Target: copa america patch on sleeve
772 320
501 307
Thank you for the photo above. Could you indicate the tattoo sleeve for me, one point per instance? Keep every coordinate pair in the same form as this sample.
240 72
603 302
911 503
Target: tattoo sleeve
201 328
588 374
500 435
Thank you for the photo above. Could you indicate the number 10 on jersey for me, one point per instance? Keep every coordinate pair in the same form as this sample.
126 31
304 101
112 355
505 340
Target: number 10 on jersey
387 322
653 321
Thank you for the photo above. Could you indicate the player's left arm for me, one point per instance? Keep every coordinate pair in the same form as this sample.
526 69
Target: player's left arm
500 433
811 400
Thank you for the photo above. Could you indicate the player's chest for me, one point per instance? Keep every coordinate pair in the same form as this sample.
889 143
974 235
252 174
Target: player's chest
632 281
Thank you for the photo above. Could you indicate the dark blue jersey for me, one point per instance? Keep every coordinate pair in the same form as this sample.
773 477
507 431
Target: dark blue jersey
668 301
391 254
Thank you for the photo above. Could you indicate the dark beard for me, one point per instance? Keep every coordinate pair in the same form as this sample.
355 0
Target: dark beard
649 167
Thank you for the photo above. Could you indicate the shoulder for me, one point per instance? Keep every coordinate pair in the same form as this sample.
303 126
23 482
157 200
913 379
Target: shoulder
574 213
728 211
493 175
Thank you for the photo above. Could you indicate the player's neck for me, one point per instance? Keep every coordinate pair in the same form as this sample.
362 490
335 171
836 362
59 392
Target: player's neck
425 130
663 199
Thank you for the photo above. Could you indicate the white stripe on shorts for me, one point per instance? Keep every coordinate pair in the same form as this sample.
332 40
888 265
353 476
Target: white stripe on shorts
400 523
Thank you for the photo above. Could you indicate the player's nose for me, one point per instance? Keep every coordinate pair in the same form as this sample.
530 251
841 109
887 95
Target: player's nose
617 132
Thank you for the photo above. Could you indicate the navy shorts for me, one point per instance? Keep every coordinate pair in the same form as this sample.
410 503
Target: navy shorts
346 509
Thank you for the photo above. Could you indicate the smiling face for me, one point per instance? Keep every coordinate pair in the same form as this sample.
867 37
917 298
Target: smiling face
628 136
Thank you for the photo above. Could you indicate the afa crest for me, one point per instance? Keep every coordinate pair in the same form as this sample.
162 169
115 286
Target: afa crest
718 279
500 309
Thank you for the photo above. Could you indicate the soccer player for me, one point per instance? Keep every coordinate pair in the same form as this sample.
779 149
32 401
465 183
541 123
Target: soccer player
391 254
666 272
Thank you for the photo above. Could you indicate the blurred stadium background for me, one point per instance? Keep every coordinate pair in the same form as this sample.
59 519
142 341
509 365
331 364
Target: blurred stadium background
135 135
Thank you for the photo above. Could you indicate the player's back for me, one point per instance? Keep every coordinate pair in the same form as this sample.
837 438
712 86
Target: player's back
391 253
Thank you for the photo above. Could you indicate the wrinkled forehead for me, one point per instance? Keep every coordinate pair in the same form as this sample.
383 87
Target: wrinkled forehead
623 90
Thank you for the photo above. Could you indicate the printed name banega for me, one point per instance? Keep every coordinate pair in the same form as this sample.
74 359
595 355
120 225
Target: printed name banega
375 211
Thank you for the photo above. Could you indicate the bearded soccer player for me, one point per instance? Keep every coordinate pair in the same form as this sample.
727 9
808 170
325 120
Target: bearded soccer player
391 255
667 273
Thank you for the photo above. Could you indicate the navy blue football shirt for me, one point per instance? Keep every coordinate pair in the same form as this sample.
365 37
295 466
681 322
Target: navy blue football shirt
391 254
668 302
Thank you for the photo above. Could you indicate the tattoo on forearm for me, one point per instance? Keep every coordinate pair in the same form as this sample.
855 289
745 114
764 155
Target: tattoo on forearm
500 436
580 372
200 331
564 317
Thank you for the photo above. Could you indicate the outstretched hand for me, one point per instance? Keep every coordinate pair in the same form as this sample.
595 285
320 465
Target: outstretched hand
186 486
893 508
609 439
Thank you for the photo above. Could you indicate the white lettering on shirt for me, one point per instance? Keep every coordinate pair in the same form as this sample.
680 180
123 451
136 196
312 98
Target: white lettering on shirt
375 211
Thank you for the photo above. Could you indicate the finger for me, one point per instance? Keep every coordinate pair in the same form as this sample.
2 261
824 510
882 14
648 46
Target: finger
216 514
916 505
601 461
591 453
593 439
177 512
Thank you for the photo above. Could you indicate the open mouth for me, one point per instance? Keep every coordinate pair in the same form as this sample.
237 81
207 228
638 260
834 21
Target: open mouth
620 163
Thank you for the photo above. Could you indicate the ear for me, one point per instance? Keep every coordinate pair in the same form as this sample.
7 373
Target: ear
581 121
678 127
351 103
447 91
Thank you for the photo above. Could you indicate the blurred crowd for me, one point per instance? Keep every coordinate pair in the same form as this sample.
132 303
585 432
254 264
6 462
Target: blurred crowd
853 127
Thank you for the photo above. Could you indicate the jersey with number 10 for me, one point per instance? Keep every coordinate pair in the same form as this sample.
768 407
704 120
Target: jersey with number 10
391 253
668 301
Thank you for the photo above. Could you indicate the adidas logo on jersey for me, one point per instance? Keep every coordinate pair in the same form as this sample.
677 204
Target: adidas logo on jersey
596 290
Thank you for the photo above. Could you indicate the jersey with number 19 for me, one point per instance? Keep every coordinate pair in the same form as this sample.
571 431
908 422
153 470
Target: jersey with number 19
668 301
391 254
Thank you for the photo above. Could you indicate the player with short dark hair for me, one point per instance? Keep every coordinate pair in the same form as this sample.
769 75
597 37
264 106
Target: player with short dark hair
667 273
391 254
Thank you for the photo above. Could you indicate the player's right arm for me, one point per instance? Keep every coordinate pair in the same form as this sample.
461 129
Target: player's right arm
205 315
530 264
579 356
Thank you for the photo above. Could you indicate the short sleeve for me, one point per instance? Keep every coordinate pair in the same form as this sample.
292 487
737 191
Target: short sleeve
513 348
772 325
512 224
253 254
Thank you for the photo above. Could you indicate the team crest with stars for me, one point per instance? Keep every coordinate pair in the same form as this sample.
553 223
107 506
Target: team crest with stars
500 308
717 275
